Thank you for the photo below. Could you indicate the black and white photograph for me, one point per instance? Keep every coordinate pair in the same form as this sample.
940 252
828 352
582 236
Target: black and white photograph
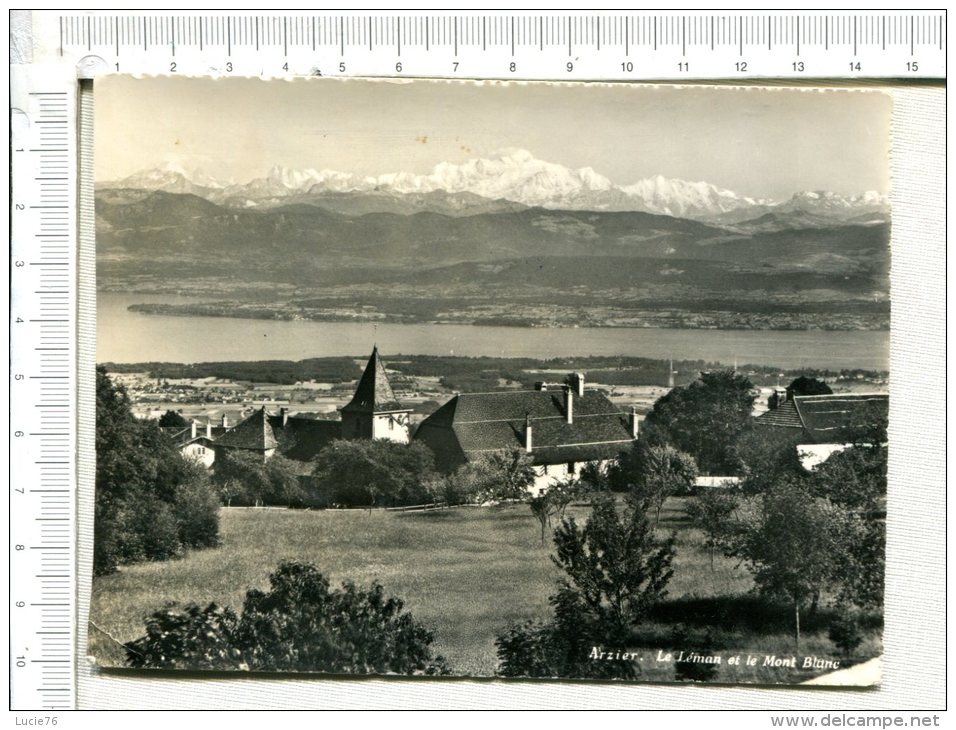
563 381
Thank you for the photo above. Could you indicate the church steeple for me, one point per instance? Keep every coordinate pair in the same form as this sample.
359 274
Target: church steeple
374 411
374 393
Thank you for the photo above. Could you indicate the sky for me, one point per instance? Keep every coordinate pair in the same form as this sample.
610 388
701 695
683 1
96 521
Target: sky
756 142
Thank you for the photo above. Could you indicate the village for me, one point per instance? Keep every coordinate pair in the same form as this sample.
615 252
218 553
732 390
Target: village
209 408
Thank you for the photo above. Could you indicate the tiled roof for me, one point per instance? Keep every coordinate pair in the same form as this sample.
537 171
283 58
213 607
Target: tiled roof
473 423
303 438
828 418
253 433
784 416
373 393
832 418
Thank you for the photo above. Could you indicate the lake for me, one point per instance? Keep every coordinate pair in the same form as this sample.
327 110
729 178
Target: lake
124 336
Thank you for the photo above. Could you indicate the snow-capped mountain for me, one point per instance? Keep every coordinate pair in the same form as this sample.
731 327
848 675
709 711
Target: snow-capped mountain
170 178
684 199
515 176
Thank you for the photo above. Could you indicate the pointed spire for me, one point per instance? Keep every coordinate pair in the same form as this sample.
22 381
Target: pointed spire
374 393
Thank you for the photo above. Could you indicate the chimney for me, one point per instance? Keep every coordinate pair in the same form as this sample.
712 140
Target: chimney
527 433
576 381
284 412
192 429
225 421
633 422
569 403
540 385
208 430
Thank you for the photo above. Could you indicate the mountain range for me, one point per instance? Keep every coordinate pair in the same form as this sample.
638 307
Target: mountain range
506 183
510 238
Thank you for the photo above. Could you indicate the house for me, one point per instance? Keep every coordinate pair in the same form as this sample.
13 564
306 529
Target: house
824 424
193 444
562 428
373 413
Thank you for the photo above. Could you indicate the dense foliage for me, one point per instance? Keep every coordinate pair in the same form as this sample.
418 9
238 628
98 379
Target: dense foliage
805 385
171 419
244 479
301 624
375 473
498 476
704 419
151 502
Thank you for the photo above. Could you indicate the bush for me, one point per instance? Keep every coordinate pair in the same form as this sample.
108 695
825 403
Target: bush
845 631
298 625
196 511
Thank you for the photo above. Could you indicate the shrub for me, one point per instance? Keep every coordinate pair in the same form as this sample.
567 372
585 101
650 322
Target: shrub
196 511
300 624
845 631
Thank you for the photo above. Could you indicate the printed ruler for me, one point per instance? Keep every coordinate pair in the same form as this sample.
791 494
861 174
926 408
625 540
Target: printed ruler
42 388
606 46
522 45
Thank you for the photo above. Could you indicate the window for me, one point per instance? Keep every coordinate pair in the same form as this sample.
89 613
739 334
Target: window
571 468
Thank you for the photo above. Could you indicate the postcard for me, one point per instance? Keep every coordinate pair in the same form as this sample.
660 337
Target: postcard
483 379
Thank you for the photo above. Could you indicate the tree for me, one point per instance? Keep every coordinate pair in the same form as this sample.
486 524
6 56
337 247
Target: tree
712 512
245 478
794 544
300 624
855 479
498 476
615 569
805 385
151 502
594 478
766 456
654 473
704 419
553 501
615 565
512 475
171 419
373 473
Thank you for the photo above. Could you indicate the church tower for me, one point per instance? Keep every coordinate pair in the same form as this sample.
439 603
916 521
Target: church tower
374 412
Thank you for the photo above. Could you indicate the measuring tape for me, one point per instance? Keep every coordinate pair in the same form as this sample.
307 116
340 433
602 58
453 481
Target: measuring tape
44 350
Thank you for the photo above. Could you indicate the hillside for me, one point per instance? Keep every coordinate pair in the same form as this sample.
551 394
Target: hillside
580 267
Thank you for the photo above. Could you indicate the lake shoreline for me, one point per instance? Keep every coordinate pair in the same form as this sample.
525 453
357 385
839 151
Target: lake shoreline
126 336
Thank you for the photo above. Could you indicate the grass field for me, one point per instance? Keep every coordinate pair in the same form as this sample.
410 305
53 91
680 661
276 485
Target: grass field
466 573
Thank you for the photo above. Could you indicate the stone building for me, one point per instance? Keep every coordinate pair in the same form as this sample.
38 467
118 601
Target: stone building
563 428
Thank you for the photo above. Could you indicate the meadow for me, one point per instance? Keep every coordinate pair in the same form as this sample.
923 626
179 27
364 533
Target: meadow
467 573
